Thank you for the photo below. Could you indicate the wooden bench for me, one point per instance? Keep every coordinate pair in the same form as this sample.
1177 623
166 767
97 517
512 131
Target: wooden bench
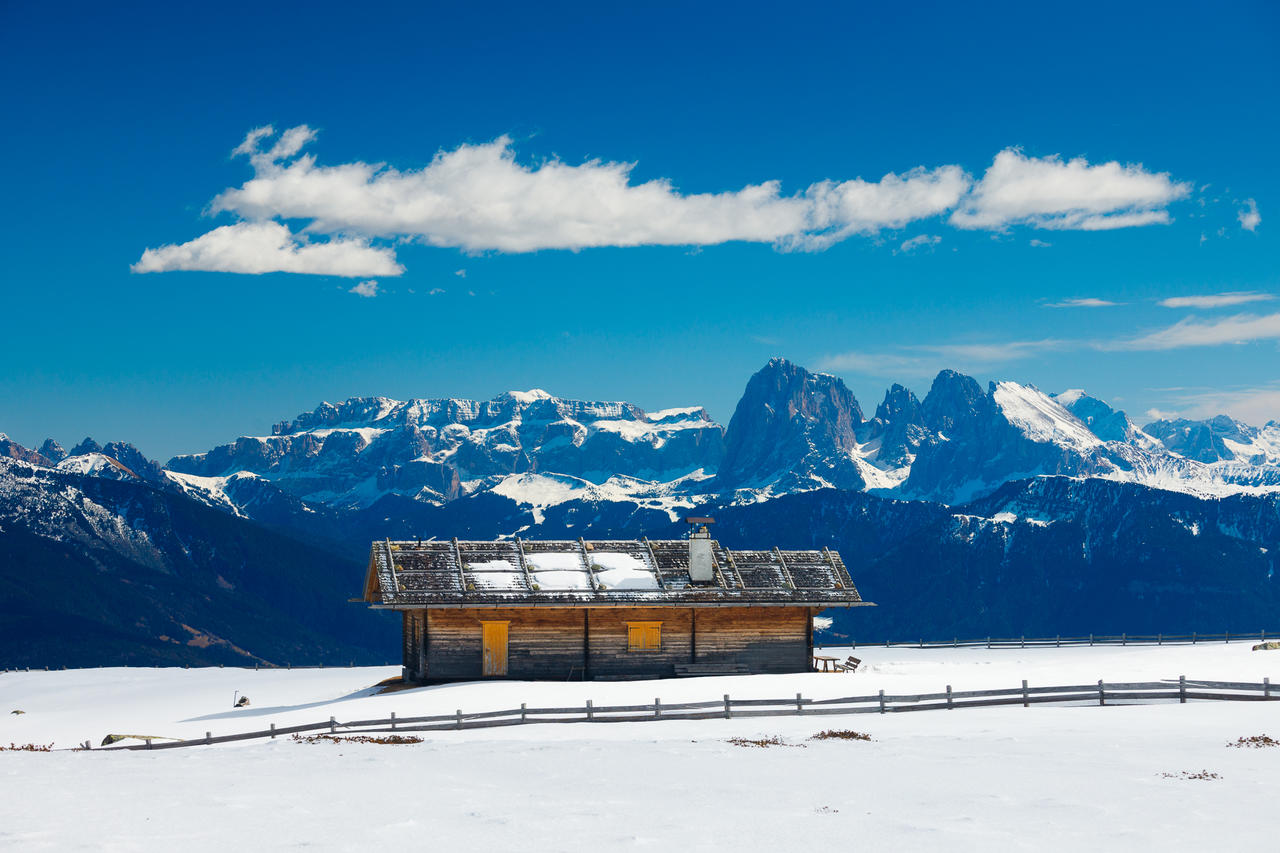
850 664
686 670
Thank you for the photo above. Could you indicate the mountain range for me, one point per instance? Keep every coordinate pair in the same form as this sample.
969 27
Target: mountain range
972 511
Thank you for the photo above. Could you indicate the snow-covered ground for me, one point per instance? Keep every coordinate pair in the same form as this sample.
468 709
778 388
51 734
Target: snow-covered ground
976 779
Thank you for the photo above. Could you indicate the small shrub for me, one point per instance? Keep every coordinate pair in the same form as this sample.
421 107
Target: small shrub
27 747
841 734
387 740
772 740
1255 742
1203 775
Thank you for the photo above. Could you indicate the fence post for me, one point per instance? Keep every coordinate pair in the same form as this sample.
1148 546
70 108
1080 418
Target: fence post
393 720
1182 689
1193 638
1159 639
1102 694
1091 639
988 642
459 717
1057 641
949 705
1226 638
1124 639
1266 688
1025 700
590 711
333 726
799 704
881 701
657 706
524 715
208 737
727 712
273 730
1024 641
148 743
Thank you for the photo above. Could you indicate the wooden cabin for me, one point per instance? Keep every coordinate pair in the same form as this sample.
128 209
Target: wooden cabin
585 610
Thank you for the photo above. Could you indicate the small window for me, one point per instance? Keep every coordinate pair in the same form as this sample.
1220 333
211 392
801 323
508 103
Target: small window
644 636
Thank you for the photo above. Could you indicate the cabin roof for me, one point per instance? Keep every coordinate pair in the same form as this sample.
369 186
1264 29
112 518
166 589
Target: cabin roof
596 573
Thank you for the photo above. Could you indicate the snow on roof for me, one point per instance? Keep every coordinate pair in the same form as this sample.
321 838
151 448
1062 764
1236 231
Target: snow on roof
580 573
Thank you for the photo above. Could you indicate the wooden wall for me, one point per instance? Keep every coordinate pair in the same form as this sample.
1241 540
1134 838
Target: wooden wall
609 655
549 643
541 643
766 639
413 645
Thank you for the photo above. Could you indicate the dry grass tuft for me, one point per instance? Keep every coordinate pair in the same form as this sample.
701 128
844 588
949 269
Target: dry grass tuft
1204 775
387 740
1255 742
27 747
772 740
841 734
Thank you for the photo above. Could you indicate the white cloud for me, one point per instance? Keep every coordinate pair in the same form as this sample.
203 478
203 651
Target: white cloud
880 364
1083 302
1249 217
928 359
1047 192
368 289
262 247
1039 244
1192 332
460 273
435 291
1257 405
996 353
835 211
477 197
1216 300
918 242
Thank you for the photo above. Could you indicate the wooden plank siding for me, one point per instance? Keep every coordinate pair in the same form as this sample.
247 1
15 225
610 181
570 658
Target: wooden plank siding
541 644
586 643
609 655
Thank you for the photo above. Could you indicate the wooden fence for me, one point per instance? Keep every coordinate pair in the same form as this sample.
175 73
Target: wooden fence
1090 640
1100 693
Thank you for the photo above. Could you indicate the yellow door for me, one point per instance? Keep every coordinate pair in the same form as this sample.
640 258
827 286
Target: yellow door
493 639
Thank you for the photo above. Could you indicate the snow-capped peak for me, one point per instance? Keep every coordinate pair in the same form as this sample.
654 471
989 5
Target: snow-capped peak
1040 418
533 395
1069 396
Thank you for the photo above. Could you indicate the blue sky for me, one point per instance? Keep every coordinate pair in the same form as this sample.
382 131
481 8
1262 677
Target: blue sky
1036 156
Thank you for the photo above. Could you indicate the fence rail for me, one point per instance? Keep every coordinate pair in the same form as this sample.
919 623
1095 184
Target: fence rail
1091 640
1100 693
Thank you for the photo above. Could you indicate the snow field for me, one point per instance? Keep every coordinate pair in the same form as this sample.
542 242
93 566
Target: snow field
1004 778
